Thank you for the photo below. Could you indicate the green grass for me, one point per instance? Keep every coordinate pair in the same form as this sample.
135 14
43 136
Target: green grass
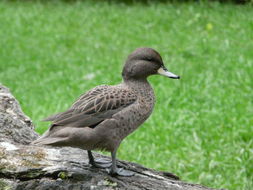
202 125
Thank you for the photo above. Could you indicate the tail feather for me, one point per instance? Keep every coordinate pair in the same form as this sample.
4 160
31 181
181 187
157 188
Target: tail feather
54 141
75 137
47 139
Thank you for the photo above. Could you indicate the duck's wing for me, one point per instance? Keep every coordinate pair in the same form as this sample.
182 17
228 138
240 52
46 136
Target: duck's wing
94 106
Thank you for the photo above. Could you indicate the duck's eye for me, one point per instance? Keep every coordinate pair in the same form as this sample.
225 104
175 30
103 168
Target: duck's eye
153 60
149 59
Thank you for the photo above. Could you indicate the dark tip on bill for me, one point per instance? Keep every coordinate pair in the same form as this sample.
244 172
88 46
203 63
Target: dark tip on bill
177 77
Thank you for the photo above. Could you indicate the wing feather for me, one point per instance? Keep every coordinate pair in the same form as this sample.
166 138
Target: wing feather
94 106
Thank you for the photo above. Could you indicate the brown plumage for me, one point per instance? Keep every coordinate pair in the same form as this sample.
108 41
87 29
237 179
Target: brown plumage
105 115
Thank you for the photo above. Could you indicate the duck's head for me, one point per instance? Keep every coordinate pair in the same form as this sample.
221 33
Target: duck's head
144 62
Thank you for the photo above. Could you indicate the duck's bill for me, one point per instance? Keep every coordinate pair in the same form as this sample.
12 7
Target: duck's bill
164 72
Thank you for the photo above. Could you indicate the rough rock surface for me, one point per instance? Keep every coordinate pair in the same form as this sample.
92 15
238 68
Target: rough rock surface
15 126
25 167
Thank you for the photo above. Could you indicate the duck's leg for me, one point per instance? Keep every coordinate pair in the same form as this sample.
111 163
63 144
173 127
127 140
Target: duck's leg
100 163
114 170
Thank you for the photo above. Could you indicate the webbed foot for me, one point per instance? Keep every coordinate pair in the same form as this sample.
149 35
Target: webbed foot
101 163
120 172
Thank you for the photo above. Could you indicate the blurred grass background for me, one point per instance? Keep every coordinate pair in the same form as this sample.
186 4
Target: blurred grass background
202 125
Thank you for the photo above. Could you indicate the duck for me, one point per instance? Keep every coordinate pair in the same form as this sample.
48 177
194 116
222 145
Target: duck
103 116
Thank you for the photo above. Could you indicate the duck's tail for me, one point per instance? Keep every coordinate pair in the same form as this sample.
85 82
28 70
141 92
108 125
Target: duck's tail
47 139
53 141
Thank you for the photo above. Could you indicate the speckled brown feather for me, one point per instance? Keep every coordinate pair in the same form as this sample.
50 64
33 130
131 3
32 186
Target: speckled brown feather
95 106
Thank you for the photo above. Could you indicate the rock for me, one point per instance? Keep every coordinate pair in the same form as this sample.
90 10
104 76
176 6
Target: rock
15 126
25 167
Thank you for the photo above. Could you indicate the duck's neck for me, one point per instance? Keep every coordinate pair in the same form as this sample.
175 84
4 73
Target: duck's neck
141 86
146 96
137 83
